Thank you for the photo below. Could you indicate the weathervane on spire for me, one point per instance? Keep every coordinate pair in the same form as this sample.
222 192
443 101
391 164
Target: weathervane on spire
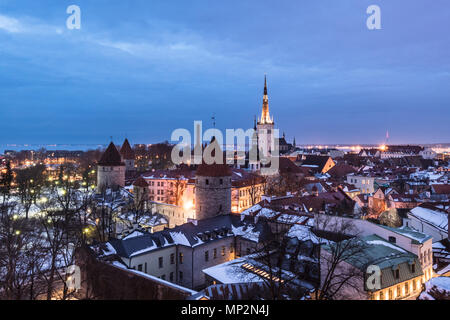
213 118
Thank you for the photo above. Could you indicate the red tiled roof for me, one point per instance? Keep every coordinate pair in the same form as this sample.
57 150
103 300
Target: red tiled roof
213 170
441 188
341 170
126 151
111 157
287 166
140 182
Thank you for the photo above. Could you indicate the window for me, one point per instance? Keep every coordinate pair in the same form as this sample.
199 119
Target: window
171 277
206 255
181 258
181 276
221 181
414 285
248 251
413 268
207 181
406 288
397 273
215 253
391 296
231 248
223 250
398 291
381 295
172 258
160 262
163 277
140 267
392 239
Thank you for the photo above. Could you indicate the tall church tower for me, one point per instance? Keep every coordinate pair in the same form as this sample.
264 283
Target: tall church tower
265 126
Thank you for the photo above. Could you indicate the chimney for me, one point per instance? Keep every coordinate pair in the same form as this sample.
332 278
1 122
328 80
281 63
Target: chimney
193 221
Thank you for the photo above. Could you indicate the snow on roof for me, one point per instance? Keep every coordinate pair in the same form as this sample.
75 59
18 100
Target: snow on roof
436 218
444 270
136 253
251 210
231 272
148 276
267 213
442 284
302 233
386 244
246 233
180 238
135 233
409 233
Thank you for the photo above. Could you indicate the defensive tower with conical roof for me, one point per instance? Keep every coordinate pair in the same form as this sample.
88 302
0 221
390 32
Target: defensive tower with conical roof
110 170
213 187
128 156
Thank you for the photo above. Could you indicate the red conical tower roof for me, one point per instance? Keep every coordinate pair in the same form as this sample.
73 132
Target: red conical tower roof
111 157
126 151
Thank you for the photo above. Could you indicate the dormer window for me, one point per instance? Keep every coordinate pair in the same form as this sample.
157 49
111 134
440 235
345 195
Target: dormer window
392 239
397 273
207 181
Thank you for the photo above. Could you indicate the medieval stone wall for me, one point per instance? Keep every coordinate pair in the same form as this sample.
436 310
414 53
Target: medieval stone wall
212 196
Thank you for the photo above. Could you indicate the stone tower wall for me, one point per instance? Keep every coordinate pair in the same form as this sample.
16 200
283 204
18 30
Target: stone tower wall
110 177
214 198
129 165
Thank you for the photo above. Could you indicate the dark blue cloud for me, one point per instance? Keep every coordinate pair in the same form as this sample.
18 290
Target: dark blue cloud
144 68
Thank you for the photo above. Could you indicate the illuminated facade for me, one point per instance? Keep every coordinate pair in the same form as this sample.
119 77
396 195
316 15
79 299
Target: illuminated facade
265 126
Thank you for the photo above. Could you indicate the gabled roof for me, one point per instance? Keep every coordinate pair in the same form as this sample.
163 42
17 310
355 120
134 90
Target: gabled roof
126 151
314 160
441 188
190 235
341 170
111 157
286 166
416 236
436 217
140 182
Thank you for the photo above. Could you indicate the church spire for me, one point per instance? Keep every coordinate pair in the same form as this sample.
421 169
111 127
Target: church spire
265 85
265 115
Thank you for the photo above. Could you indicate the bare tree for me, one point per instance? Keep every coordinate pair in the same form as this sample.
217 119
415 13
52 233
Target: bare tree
256 188
177 190
340 245
21 257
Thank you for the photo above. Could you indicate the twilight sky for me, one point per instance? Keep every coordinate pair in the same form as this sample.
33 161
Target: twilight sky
143 68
